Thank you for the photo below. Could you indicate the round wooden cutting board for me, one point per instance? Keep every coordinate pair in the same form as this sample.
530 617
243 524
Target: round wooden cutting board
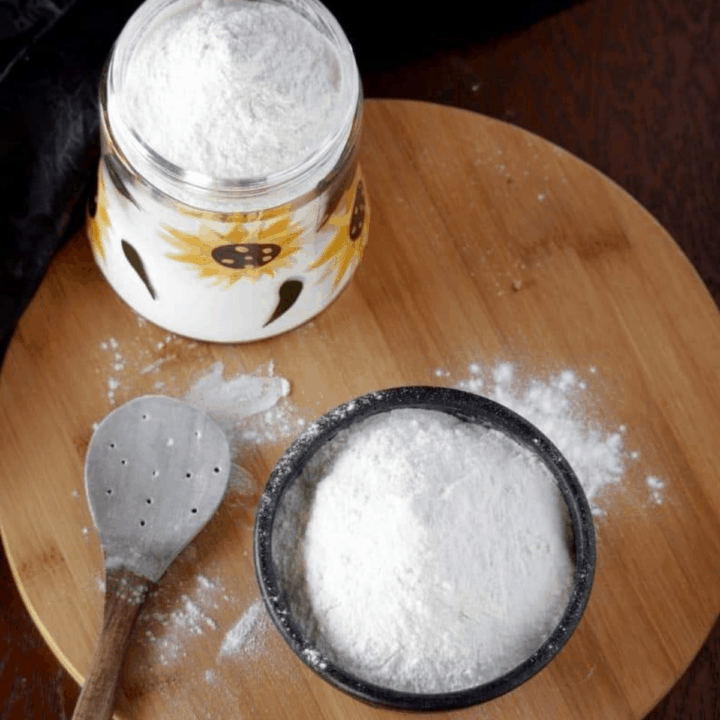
487 245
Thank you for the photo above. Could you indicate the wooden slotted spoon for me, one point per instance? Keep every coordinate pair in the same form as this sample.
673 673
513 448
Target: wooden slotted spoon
155 473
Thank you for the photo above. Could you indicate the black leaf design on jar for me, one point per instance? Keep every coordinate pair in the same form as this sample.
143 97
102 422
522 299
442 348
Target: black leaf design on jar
357 219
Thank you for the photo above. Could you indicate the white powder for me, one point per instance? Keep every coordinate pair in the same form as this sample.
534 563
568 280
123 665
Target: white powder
237 639
168 634
556 408
656 487
205 583
254 409
153 366
434 553
193 617
234 89
239 397
113 385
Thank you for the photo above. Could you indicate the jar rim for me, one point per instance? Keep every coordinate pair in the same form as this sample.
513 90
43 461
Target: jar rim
295 179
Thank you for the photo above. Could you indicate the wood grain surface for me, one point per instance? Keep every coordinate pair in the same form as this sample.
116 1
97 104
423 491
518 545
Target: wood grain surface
632 87
487 244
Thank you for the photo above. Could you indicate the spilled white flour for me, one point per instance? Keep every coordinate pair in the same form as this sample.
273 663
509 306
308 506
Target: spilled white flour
250 408
240 638
169 636
558 407
254 409
238 397
422 560
656 487
127 362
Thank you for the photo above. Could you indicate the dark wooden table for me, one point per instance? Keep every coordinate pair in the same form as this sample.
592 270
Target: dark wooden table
630 86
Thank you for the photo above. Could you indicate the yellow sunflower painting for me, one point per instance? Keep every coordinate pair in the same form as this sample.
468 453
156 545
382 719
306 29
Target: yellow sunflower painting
247 251
344 251
98 220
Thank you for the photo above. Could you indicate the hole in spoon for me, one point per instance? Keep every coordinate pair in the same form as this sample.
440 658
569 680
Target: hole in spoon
149 501
109 491
188 474
124 461
194 511
142 523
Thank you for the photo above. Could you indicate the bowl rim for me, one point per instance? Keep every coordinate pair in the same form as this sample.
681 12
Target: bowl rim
466 406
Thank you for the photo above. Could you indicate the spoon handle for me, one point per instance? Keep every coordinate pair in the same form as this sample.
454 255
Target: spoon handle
125 592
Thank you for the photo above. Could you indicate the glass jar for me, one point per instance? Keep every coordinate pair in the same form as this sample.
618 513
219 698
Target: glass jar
222 259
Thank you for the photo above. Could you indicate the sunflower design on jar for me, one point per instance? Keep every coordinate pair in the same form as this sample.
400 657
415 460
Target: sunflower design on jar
247 250
350 222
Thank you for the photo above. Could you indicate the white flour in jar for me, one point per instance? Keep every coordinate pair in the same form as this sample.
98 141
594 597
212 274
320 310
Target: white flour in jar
234 89
434 554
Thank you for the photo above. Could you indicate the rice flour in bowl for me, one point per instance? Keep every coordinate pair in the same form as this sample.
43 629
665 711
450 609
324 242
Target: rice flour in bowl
424 548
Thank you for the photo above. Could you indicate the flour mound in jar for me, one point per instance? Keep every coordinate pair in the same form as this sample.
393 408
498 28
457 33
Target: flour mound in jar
423 553
234 89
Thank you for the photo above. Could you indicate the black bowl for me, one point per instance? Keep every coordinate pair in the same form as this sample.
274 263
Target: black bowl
467 407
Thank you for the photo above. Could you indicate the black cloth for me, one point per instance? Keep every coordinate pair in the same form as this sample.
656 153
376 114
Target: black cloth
51 58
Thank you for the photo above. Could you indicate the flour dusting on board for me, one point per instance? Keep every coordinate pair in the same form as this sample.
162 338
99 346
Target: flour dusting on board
243 395
133 359
559 407
169 636
250 408
254 409
656 487
247 633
